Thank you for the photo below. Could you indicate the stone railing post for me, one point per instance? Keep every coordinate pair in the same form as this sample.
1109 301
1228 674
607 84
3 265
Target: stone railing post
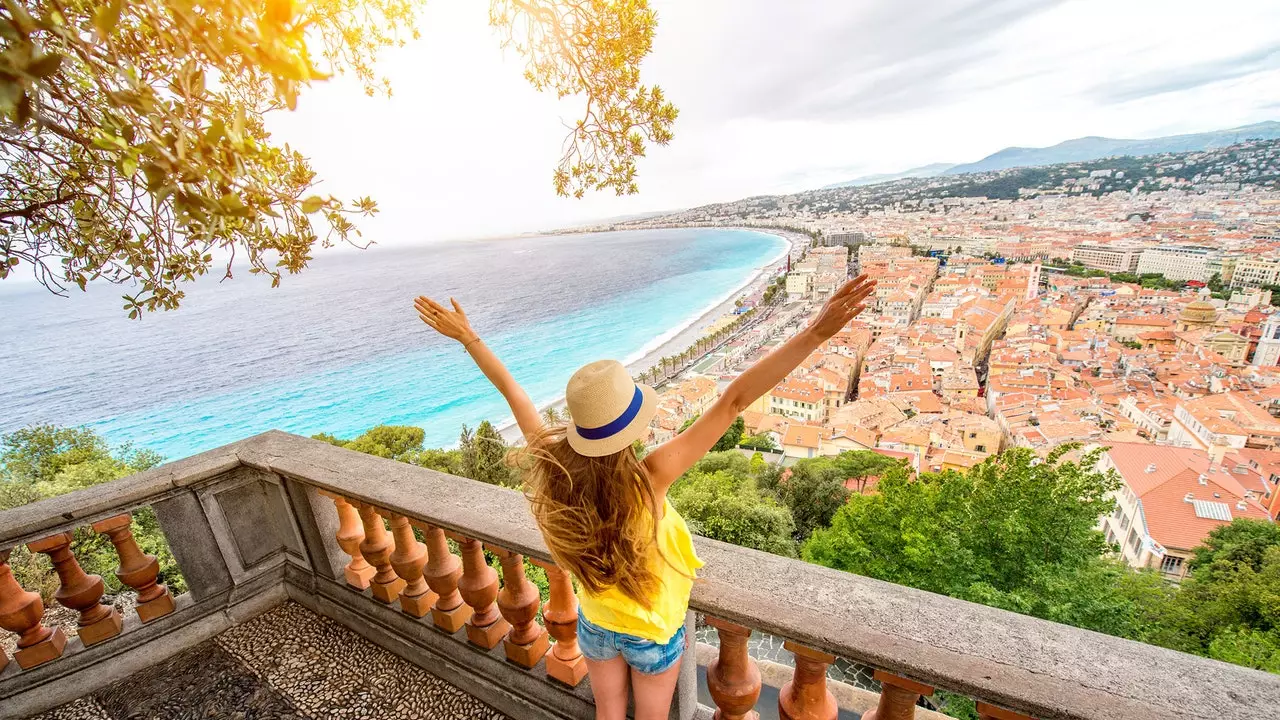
442 572
991 712
565 662
733 678
79 591
518 602
137 570
20 612
377 547
479 588
410 555
805 696
359 573
898 697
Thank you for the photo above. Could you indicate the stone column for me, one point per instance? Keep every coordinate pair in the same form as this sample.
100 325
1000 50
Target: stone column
377 548
898 697
565 662
479 588
79 591
137 570
442 572
733 678
805 696
359 573
410 555
991 712
518 602
20 613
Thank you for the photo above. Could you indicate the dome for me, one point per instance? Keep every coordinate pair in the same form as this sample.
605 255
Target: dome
1199 311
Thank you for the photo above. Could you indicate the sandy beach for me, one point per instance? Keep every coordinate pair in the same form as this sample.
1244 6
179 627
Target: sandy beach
693 330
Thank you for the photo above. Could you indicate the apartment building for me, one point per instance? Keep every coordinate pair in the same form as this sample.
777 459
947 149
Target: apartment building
1256 272
1109 258
1181 262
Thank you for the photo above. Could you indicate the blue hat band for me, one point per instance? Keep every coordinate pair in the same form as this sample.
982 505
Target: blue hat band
617 426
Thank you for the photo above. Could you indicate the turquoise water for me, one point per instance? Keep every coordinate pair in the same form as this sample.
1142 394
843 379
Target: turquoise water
339 349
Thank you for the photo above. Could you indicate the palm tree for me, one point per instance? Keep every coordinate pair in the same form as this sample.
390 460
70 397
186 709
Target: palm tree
552 417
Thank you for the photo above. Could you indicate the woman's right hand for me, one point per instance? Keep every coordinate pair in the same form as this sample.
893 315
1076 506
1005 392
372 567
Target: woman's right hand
843 306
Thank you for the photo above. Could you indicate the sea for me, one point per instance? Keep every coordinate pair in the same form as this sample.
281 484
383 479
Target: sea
338 348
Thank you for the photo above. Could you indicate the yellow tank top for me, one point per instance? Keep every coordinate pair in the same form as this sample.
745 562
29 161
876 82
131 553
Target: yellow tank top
613 610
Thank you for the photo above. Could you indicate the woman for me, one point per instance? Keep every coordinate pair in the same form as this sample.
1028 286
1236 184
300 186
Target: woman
604 513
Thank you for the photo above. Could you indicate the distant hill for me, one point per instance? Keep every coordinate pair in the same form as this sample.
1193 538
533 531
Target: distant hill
1081 150
924 171
1094 148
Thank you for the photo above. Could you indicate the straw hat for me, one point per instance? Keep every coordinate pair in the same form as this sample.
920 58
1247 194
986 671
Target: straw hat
609 409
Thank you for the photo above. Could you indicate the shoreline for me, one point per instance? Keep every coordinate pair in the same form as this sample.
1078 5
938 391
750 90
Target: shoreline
682 334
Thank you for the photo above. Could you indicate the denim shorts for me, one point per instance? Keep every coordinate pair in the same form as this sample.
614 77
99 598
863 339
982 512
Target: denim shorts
646 656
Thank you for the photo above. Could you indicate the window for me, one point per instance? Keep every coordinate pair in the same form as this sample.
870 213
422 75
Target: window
980 448
973 435
1171 565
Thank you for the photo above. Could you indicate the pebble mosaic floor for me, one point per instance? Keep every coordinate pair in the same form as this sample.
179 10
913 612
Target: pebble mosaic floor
286 664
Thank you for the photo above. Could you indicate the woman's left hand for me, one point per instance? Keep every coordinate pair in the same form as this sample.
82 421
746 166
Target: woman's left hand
450 323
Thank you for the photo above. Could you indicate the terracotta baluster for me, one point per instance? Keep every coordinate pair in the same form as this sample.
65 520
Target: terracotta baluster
408 559
20 612
518 602
350 534
442 572
733 678
479 588
991 712
805 696
377 547
565 662
137 570
898 697
78 591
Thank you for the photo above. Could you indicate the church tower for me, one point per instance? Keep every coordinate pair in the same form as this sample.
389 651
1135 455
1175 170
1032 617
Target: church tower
1268 352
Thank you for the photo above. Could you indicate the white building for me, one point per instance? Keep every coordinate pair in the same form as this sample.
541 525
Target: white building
1256 272
1111 258
1268 352
1180 262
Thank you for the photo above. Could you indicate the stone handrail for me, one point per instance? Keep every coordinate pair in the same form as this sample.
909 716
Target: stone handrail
1016 666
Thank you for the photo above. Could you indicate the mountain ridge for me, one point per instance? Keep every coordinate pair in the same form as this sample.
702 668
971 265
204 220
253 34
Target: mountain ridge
1081 149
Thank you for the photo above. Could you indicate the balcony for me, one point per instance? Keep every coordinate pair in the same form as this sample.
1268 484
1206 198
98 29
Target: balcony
296 552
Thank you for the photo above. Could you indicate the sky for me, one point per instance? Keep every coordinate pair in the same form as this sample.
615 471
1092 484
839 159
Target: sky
778 97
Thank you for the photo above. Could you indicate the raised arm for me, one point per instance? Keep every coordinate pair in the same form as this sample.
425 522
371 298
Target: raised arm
671 459
454 324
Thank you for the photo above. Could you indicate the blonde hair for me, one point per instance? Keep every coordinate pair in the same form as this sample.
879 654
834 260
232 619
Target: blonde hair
598 515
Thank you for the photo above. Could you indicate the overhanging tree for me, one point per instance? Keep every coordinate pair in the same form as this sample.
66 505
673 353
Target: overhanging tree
134 147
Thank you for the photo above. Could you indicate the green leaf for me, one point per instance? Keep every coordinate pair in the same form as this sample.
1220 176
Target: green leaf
44 66
128 166
312 204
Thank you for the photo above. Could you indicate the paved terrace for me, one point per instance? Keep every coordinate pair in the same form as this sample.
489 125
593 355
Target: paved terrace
285 546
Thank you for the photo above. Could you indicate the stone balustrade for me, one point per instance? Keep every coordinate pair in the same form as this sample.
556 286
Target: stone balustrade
366 542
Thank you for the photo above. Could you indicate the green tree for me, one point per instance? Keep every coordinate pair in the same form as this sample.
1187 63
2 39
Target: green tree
389 441
814 492
136 144
731 437
1007 532
719 499
484 456
45 461
1229 605
762 441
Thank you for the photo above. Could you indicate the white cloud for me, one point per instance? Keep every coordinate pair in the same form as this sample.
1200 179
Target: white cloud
784 96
